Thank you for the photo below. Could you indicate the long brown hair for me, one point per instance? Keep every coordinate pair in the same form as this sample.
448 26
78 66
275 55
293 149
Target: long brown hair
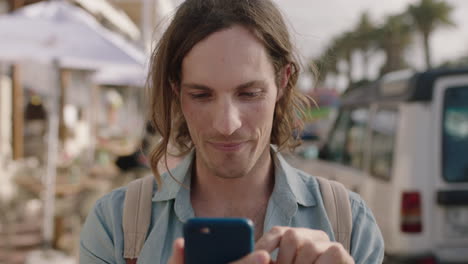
194 21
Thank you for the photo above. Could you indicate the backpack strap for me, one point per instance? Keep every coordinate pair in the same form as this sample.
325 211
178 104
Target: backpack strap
336 201
137 216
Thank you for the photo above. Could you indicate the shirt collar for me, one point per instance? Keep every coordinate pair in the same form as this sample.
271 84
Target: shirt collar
290 183
173 181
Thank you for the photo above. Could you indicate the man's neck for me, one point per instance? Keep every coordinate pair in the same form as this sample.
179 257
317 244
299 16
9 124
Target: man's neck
233 195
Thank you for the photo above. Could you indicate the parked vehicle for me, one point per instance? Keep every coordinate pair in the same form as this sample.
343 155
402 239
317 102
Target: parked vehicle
402 144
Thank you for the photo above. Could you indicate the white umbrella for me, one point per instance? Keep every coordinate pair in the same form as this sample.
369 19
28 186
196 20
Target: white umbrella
59 30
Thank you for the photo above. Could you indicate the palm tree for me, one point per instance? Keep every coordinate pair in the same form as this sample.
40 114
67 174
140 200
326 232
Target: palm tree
393 38
366 41
427 16
343 48
339 52
325 64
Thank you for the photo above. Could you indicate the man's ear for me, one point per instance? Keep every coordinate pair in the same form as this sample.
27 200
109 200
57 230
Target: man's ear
285 73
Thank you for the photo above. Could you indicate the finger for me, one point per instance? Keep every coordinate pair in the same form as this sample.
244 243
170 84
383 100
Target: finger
257 257
309 252
288 246
177 252
335 253
295 240
271 240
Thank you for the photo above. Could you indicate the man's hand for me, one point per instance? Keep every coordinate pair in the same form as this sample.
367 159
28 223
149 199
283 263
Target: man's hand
299 245
295 246
177 252
257 257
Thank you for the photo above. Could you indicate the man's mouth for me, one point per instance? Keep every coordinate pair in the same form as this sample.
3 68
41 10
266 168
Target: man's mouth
227 146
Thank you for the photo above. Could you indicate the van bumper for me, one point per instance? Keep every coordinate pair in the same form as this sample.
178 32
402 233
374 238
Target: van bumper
452 255
413 259
424 258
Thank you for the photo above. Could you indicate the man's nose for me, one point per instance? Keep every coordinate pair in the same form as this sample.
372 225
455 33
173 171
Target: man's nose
227 118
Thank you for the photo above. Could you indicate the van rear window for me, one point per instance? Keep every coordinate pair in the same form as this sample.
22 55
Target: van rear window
346 145
455 135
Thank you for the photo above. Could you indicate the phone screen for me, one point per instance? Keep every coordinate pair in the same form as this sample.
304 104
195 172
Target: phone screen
217 240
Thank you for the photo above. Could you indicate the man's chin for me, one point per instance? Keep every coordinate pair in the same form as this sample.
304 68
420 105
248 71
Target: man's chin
230 167
231 174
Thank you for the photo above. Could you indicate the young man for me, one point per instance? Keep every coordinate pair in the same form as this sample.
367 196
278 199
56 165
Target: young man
223 90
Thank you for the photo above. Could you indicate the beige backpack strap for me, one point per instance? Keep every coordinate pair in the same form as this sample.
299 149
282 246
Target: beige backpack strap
336 201
137 216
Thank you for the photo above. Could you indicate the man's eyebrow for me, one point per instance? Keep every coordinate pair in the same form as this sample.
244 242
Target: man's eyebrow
259 83
246 85
196 86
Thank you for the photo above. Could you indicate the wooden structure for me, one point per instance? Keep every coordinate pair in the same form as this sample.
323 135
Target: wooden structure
18 115
15 4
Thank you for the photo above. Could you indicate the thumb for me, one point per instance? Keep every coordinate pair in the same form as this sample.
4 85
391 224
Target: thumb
256 257
177 252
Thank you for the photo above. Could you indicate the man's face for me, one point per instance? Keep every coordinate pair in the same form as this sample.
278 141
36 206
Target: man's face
228 96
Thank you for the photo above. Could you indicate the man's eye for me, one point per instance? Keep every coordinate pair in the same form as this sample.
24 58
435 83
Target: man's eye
250 94
200 95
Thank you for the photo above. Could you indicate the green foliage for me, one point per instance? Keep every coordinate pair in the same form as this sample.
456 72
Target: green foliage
427 16
393 38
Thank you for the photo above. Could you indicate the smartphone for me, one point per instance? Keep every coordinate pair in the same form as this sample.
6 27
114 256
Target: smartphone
217 240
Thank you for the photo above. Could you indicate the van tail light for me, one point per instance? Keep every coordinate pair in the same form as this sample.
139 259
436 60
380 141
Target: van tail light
427 260
411 212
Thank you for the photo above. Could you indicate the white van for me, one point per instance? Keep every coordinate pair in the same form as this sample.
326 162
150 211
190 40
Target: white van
402 144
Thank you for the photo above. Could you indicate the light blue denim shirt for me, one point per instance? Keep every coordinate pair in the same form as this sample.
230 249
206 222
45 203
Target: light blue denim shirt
295 202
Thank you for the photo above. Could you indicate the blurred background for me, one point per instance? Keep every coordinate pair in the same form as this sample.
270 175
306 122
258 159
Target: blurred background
72 108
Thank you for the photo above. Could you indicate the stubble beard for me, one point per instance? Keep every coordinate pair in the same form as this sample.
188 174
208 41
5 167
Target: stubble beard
229 167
